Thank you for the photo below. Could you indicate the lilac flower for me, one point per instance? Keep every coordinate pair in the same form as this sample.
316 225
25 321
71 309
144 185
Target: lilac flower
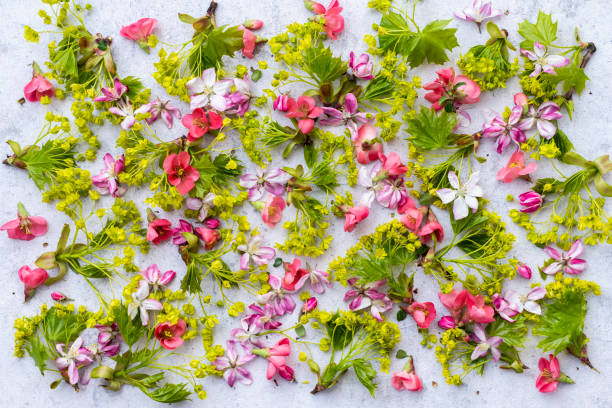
238 102
141 304
112 94
263 317
542 119
76 357
520 302
270 180
99 350
362 67
248 334
280 299
505 132
126 110
231 365
462 195
485 344
261 255
478 13
350 116
391 192
569 262
542 61
363 296
503 308
177 233
108 334
201 205
107 181
161 109
156 280
206 91
318 280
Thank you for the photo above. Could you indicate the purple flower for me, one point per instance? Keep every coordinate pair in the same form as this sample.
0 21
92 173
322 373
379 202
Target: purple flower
350 116
362 67
161 109
153 276
248 334
542 61
280 299
505 132
520 302
206 91
461 195
569 262
531 200
112 94
141 304
478 13
76 357
107 181
238 102
485 344
201 205
363 296
542 119
270 180
263 317
231 364
261 255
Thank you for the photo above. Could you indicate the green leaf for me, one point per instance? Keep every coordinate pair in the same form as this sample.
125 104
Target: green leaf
64 329
429 44
170 393
192 281
473 220
43 163
365 373
378 87
66 60
300 331
513 334
562 322
38 352
430 131
562 142
214 173
220 41
310 154
134 85
186 18
571 75
322 66
401 315
339 334
543 31
401 354
131 330
92 271
540 183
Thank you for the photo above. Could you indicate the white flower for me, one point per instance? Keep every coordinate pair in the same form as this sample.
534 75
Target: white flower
464 195
206 91
142 304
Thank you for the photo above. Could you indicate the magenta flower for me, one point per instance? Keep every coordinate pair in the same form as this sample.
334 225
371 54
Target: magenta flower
205 91
248 334
505 132
232 364
58 296
277 296
367 295
362 67
177 233
391 192
485 344
263 317
543 119
261 255
543 61
156 280
108 334
238 102
107 181
70 362
569 262
158 109
25 227
461 195
112 94
309 305
270 180
524 271
446 322
31 279
281 103
479 12
201 205
532 201
141 304
349 117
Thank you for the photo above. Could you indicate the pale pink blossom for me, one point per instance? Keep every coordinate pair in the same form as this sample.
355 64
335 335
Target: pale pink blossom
271 180
569 262
76 357
479 12
367 145
232 364
543 119
519 301
165 110
157 280
512 130
263 317
485 344
248 334
141 304
367 295
253 250
107 181
543 61
361 66
202 205
278 297
273 210
206 92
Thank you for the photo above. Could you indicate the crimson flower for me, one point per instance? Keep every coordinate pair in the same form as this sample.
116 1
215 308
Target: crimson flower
180 173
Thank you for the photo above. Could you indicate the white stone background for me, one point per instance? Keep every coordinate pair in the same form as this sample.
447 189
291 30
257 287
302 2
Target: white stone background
20 381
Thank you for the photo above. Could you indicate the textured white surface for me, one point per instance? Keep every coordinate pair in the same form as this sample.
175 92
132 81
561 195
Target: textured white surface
20 381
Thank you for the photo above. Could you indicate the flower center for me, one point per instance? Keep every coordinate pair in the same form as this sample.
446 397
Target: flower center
166 334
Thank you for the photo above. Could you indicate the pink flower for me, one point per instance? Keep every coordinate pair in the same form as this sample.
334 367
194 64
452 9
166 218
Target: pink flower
477 311
512 130
156 280
177 233
108 334
446 88
516 168
38 87
278 297
281 103
478 13
407 379
350 116
58 296
520 302
431 229
253 24
70 362
367 146
276 359
202 205
550 375
126 110
159 230
180 173
354 216
485 344
25 227
271 180
107 181
392 165
170 335
455 302
31 278
309 305
422 313
367 295
232 364
199 123
406 205
261 255
391 192
334 22
112 94
520 99
569 262
524 271
413 218
239 101
362 67
543 61
293 275
273 210
209 236
531 200
305 110
543 119
446 322
504 308
248 334
263 317
139 31
165 110
212 223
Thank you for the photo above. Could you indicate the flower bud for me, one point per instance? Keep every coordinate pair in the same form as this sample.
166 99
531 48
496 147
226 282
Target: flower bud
524 271
531 200
253 24
446 322
58 296
309 305
281 103
212 223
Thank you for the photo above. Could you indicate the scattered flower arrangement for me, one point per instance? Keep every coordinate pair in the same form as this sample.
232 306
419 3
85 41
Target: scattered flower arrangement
341 121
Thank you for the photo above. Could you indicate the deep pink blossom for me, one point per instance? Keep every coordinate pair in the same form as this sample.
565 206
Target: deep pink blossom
292 280
200 122
139 31
354 216
281 103
330 16
524 271
114 93
304 110
107 181
516 168
180 173
177 233
58 296
512 130
532 201
309 305
38 87
568 262
25 227
445 90
209 236
446 322
276 359
361 66
31 278
159 230
349 116
423 313
263 317
170 335
407 379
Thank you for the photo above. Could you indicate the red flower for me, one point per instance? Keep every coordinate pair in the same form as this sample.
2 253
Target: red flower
199 122
180 173
550 375
169 335
392 164
209 236
334 22
412 218
273 210
293 274
445 88
25 227
422 313
38 87
139 31
366 146
159 230
354 216
31 278
305 110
